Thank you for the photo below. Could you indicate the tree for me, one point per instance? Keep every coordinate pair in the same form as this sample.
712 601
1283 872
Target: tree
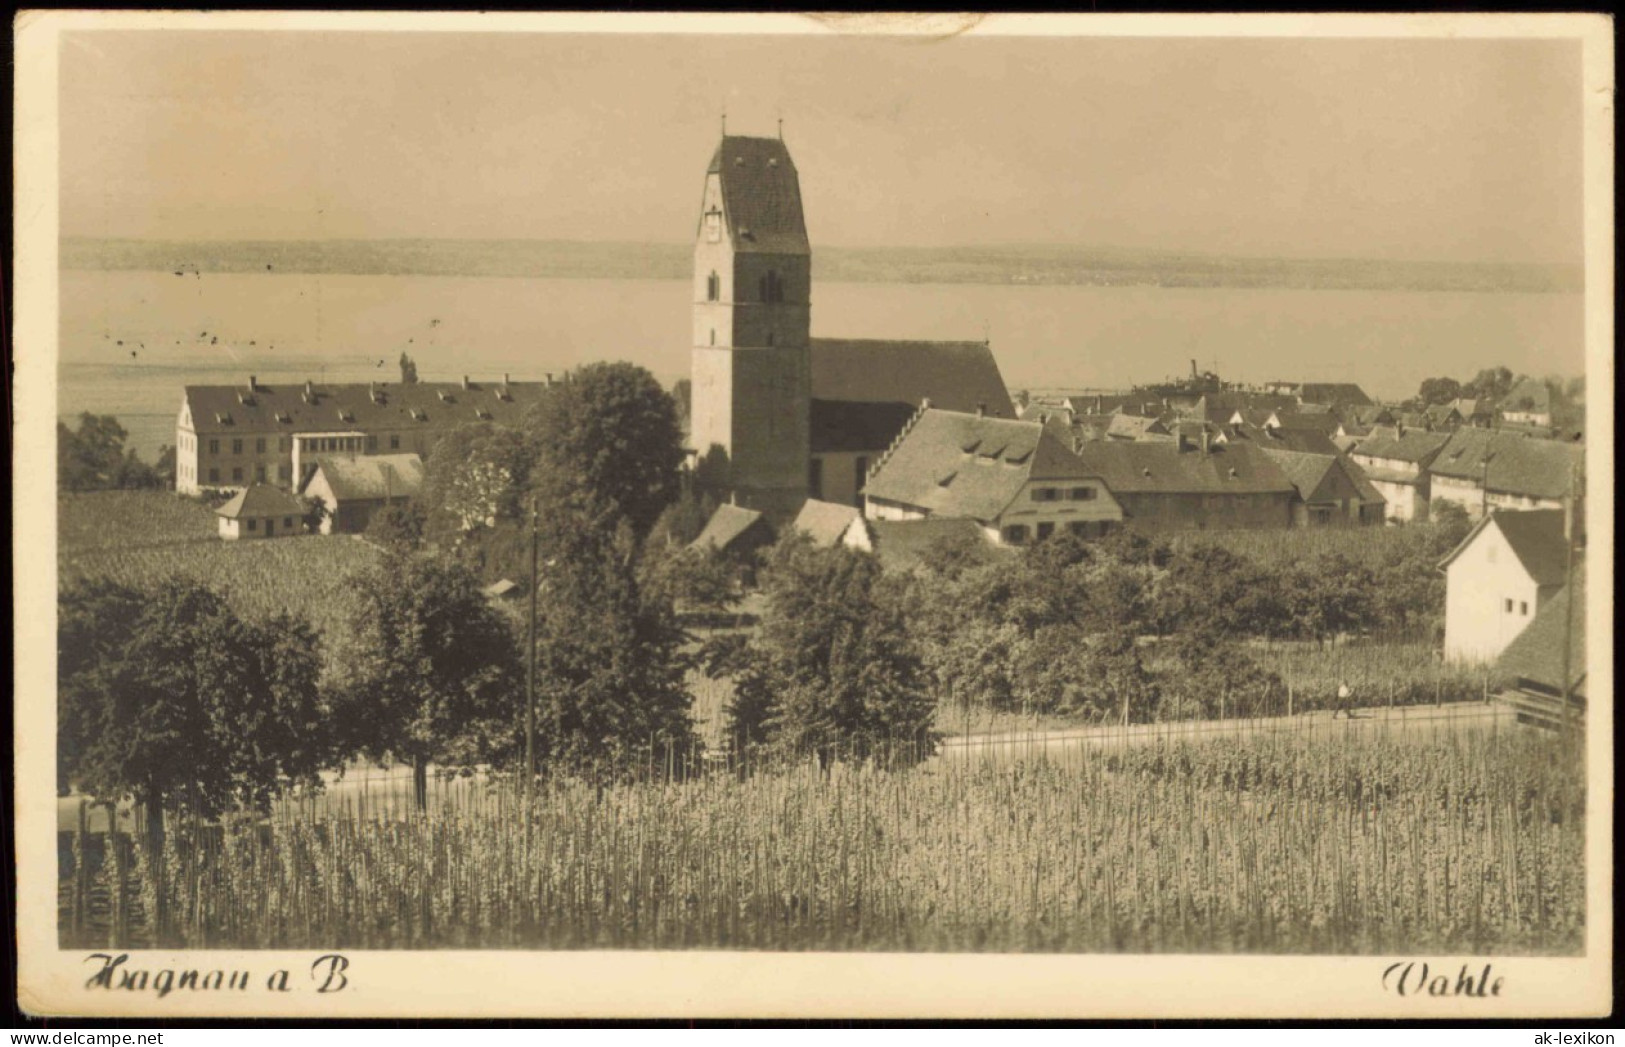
1438 390
429 671
397 527
609 660
1116 681
166 695
1491 383
700 579
607 437
832 669
93 457
683 520
1214 676
475 478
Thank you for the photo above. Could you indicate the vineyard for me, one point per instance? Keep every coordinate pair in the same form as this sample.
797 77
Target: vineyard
1388 842
130 519
1364 545
304 575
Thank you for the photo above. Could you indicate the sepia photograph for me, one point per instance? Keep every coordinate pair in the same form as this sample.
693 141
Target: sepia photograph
952 508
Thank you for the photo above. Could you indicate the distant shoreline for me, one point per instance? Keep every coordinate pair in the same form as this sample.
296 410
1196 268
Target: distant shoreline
1012 265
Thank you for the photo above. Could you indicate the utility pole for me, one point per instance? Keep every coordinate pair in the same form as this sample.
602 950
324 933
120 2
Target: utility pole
1569 522
530 673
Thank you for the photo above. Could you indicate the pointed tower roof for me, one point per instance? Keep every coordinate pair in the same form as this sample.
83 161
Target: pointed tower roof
761 195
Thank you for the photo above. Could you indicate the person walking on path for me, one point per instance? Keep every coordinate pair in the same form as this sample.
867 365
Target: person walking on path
1344 695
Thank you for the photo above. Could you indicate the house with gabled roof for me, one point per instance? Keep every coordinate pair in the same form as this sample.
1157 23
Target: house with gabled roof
736 530
1396 461
1017 480
1185 484
261 511
1485 467
1528 403
1546 655
1498 578
829 524
1332 491
1331 394
352 488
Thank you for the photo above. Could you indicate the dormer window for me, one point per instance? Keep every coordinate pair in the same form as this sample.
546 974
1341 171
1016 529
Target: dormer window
713 226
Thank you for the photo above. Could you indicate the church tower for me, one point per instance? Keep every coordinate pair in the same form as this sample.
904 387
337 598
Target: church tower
751 371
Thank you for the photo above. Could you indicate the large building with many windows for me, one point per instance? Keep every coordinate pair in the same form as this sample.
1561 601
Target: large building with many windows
228 437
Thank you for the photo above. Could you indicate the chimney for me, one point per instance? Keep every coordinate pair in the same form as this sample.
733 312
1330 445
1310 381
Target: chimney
1193 370
981 409
1100 403
1205 440
925 404
549 377
504 378
253 384
310 392
465 383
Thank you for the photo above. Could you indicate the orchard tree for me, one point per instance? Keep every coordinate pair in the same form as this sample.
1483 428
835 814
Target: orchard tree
429 671
609 657
475 478
609 437
1215 677
165 695
834 669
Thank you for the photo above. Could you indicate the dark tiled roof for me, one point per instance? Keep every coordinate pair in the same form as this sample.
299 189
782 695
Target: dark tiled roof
1314 475
1536 654
225 409
732 526
902 544
955 376
1522 465
844 425
261 500
1443 414
825 522
953 464
1536 537
1413 445
1319 421
761 196
1133 427
1154 467
1305 441
371 477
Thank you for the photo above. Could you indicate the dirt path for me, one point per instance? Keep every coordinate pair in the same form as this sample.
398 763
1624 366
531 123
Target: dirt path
1017 744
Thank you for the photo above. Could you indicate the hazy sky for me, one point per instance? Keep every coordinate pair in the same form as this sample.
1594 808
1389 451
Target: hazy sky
1457 150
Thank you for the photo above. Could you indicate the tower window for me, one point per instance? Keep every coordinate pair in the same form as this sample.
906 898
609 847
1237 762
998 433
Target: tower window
713 336
770 338
713 287
771 287
713 226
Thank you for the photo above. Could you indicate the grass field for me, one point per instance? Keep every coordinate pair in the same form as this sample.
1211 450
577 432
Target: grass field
1372 844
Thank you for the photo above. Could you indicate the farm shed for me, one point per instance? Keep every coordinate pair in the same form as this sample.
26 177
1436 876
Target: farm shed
354 487
1534 660
1499 577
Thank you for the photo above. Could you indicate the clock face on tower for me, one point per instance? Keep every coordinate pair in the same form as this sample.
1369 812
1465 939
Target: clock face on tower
713 226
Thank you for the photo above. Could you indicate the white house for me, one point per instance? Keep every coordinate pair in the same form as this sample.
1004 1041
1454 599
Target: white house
1528 403
1504 470
1397 461
1500 575
261 511
829 524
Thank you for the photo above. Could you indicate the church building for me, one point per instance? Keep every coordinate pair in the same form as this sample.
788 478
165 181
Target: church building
795 416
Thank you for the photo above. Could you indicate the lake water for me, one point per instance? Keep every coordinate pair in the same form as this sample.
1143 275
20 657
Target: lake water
220 328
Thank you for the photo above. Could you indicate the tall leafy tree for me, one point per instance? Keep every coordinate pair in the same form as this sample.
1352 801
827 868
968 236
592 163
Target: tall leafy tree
609 658
607 437
165 695
93 457
429 671
834 667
